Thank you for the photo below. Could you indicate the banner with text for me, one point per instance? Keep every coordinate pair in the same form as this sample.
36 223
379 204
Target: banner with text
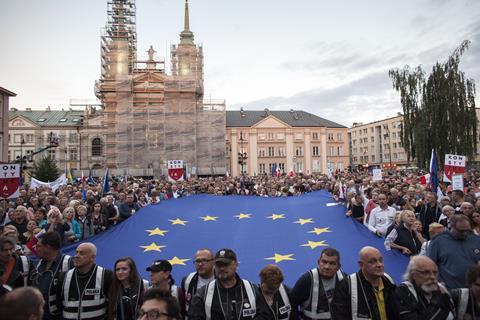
9 181
454 164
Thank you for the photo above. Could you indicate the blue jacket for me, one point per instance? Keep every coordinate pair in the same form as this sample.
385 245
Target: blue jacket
454 257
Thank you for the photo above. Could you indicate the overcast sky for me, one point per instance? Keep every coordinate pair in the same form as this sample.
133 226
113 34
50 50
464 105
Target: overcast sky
330 58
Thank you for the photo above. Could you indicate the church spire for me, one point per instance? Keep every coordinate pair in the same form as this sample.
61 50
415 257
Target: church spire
186 36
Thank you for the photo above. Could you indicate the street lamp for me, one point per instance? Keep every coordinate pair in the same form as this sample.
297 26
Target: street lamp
242 156
20 159
387 135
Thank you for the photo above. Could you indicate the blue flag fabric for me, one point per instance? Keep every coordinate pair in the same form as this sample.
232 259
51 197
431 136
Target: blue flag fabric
433 172
290 232
106 184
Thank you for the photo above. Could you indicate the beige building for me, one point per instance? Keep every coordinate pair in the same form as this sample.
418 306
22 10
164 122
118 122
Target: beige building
378 143
35 133
290 140
4 137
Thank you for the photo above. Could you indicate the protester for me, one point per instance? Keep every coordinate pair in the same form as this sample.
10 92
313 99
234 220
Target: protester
455 251
372 288
22 304
84 222
203 274
127 291
467 299
313 291
161 277
429 212
74 234
274 295
86 283
421 296
226 296
159 304
404 237
15 271
52 263
381 217
433 229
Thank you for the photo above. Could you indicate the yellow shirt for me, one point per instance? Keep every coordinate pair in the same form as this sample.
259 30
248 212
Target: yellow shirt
380 297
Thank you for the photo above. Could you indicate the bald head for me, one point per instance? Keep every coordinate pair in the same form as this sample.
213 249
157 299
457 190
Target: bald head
371 263
85 257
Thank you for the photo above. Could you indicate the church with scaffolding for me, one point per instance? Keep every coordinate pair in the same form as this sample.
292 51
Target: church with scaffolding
148 116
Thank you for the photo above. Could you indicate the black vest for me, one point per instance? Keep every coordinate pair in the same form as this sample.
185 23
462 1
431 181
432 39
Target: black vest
90 304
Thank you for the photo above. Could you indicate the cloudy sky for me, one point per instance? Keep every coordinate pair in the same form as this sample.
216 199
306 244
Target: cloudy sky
330 58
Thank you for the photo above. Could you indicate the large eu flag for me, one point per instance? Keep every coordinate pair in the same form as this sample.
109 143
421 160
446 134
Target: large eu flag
289 232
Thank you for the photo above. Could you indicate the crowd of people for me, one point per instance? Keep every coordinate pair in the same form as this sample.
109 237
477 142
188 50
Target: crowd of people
438 232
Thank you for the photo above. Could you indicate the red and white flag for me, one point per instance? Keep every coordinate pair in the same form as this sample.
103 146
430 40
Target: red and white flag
175 170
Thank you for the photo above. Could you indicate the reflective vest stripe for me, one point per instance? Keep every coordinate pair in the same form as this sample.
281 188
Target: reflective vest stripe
188 280
315 290
286 300
174 291
462 303
354 295
210 289
250 294
85 314
25 270
65 263
81 308
208 299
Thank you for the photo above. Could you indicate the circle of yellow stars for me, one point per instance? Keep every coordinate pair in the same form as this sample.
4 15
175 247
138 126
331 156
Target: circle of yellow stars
277 257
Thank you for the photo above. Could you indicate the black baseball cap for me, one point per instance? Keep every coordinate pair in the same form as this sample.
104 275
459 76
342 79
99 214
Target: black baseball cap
225 255
160 265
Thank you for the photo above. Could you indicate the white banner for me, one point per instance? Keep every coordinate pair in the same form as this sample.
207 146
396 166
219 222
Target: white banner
54 185
457 182
377 174
454 164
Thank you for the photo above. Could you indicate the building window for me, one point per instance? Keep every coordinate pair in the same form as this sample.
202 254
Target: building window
17 138
73 137
354 142
298 167
339 151
315 150
298 151
29 138
261 168
272 167
271 151
365 140
331 151
372 139
52 153
330 137
373 158
365 131
298 136
271 136
282 167
261 152
97 147
280 136
394 135
281 151
261 136
339 136
316 165
73 154
314 135
394 156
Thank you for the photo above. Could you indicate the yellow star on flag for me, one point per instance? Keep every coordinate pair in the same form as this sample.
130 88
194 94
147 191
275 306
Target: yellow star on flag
276 216
243 216
157 232
176 260
318 231
303 221
281 257
152 247
314 244
178 221
209 218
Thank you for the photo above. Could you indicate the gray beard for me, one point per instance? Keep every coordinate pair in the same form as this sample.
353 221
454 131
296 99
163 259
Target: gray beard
429 288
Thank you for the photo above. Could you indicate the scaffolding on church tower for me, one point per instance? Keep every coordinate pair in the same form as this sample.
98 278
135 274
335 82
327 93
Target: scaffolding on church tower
150 117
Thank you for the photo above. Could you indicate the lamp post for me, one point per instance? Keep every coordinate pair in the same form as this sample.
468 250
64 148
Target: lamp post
387 135
242 156
20 159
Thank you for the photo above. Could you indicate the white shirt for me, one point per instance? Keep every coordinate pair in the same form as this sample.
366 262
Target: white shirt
381 219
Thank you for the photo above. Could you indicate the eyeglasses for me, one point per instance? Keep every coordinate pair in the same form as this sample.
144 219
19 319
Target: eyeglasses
153 314
427 272
202 261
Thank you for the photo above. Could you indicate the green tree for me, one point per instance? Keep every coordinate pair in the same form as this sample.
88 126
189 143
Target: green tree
45 169
438 110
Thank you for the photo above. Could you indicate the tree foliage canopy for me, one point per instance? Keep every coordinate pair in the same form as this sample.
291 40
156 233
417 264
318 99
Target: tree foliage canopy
438 110
45 169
